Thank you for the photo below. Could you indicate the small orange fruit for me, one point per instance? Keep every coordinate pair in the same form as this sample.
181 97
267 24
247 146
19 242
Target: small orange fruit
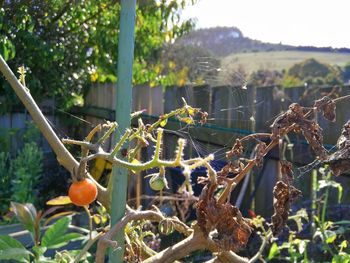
82 193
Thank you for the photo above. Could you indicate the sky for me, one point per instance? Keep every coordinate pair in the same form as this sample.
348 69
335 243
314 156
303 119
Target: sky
320 23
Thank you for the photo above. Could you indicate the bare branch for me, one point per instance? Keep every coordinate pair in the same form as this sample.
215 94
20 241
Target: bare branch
64 157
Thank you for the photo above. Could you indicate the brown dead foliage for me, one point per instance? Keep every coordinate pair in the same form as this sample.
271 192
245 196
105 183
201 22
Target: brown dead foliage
236 150
327 107
284 194
233 230
233 168
295 117
339 161
260 151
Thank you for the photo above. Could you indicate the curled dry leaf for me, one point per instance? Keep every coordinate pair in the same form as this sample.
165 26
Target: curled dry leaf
236 150
233 230
327 107
310 129
287 172
284 194
204 117
339 161
260 153
294 114
233 168
313 135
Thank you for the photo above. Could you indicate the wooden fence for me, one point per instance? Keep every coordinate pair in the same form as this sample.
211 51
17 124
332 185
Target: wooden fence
233 112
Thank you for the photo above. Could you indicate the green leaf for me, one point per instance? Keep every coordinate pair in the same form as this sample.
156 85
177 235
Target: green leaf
163 122
340 193
26 214
10 248
330 236
274 251
55 216
302 246
39 250
328 183
60 200
301 214
63 240
53 235
187 120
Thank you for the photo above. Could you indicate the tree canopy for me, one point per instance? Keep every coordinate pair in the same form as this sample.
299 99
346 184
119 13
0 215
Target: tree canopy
64 45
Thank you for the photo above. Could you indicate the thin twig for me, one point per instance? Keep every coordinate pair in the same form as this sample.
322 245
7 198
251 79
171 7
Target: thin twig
261 249
87 247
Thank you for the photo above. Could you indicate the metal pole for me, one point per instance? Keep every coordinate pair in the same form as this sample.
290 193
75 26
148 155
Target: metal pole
123 110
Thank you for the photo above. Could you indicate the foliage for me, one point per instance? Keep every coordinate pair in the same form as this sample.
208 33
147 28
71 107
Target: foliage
265 77
313 72
26 170
20 174
184 64
64 44
346 72
5 182
220 226
328 242
54 237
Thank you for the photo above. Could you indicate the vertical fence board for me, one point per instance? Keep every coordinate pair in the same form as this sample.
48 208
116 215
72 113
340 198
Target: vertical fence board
156 100
265 110
220 104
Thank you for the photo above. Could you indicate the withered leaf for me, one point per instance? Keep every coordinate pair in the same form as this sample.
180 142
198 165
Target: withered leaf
327 107
310 129
339 161
282 122
259 153
284 194
236 150
233 231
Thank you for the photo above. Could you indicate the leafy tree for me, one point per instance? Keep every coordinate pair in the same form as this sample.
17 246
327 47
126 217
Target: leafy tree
346 72
65 44
312 71
264 77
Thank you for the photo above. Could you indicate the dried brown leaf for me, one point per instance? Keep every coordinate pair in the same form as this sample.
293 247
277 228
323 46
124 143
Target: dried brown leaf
327 107
233 231
310 129
339 161
236 151
284 194
260 152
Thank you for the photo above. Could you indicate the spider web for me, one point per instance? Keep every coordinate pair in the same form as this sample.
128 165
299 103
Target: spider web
231 109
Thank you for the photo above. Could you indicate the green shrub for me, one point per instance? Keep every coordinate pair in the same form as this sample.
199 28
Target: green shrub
26 170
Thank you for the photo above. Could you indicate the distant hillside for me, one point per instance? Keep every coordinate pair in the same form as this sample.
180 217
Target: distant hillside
223 41
279 60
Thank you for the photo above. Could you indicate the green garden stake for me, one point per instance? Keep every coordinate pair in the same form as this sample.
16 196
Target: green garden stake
122 117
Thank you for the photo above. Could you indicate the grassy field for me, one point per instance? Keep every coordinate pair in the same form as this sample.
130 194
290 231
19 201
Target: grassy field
278 60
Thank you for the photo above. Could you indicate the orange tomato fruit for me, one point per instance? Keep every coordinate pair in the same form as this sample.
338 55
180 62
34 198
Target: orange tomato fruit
82 193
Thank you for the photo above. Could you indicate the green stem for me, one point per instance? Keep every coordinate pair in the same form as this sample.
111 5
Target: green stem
120 143
323 218
90 220
108 132
158 145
